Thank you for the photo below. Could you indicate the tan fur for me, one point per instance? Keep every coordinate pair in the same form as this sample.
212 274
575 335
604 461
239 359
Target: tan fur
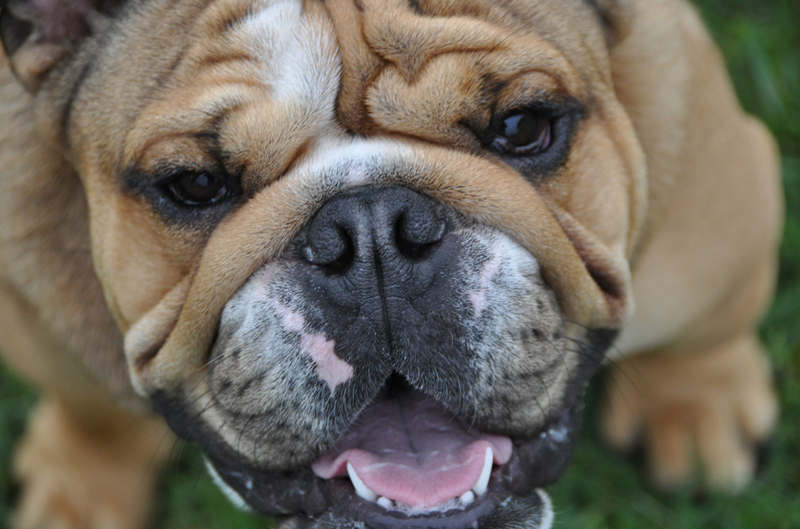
702 282
670 195
101 474
85 461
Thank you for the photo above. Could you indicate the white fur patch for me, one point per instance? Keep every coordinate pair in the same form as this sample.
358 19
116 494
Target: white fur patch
299 57
231 494
478 297
548 514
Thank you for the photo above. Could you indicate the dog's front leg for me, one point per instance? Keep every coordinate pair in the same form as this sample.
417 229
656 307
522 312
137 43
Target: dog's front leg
84 462
716 404
706 397
82 472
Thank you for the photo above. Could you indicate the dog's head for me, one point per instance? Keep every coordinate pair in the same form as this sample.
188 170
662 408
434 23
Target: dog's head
366 253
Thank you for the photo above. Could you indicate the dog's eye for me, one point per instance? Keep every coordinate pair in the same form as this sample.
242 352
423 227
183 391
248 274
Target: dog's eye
523 132
198 189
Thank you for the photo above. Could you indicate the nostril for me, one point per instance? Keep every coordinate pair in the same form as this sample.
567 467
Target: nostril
332 250
416 235
359 228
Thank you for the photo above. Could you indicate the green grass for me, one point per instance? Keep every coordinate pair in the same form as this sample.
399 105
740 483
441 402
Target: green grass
761 41
15 401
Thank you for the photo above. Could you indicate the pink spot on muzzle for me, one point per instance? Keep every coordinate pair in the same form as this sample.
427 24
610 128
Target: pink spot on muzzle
330 368
478 297
356 176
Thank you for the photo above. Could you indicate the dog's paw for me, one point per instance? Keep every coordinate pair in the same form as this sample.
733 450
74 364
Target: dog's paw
712 407
77 479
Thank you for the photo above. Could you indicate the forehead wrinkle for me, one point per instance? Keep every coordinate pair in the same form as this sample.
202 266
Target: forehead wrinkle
206 77
568 27
409 40
196 113
270 51
403 41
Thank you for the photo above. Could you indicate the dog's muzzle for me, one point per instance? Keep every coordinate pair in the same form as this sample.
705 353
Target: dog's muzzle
397 364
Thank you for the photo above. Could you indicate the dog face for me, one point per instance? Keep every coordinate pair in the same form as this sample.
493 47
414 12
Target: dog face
367 253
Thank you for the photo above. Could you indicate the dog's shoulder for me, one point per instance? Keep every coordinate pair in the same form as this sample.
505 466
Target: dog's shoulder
45 254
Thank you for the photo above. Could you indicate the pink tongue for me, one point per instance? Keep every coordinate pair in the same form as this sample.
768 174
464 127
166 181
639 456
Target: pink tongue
410 449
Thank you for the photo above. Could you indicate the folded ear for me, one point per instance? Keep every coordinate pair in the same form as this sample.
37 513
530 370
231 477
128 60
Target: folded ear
38 34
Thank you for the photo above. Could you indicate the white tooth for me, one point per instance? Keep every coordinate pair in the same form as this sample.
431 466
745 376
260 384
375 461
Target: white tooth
483 482
361 489
385 502
467 498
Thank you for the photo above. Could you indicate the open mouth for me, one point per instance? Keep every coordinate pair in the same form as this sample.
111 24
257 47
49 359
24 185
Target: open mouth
406 460
407 453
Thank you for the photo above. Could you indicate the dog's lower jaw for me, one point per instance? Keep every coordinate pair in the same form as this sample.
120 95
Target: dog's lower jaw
515 514
305 500
514 498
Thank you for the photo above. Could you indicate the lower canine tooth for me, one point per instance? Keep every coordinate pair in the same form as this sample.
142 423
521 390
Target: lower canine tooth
467 498
361 489
482 485
385 502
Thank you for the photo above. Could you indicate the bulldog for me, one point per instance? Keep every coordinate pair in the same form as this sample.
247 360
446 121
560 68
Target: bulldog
367 253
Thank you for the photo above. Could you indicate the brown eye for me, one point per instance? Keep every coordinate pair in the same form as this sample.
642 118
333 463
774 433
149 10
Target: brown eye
523 132
198 189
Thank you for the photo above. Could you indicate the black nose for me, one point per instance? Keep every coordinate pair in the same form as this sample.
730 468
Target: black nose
380 228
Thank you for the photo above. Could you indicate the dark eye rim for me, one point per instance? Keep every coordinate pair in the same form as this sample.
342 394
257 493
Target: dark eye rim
151 188
565 116
505 147
167 186
553 115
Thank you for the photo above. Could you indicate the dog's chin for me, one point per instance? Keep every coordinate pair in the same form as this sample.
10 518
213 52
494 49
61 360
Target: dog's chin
512 498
